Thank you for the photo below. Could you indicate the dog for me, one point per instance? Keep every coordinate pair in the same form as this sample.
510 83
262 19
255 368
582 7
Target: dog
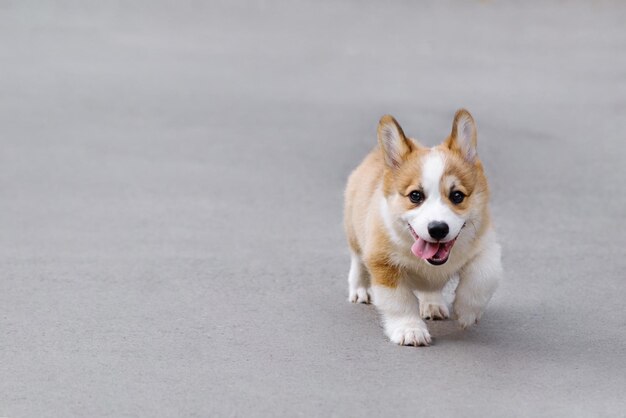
416 217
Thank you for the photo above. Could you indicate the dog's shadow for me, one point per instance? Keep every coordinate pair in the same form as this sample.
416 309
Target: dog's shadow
449 330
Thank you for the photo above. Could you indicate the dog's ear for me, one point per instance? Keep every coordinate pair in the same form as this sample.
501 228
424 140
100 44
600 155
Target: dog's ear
463 138
394 144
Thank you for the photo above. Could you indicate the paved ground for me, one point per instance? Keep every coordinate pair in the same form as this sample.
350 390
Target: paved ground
170 188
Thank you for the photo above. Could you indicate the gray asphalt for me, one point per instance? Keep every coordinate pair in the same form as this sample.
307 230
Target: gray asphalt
171 179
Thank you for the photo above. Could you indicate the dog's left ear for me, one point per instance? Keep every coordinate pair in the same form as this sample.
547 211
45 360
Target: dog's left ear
463 138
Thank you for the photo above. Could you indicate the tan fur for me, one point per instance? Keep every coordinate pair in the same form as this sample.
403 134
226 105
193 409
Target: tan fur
376 179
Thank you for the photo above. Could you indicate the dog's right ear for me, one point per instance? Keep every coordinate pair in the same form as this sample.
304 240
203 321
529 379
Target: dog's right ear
392 141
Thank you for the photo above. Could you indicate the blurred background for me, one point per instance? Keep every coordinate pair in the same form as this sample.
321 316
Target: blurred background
171 179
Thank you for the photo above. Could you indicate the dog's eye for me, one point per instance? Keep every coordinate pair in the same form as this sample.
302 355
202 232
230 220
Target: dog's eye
456 197
416 196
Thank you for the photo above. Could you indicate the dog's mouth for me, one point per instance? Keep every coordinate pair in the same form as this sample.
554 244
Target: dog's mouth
436 253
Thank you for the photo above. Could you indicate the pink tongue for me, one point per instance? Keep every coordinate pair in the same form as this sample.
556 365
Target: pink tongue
424 249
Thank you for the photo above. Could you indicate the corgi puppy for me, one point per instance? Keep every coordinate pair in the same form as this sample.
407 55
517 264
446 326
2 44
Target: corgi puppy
415 217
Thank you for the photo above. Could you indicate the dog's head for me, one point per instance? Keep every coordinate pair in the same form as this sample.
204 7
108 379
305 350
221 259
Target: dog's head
433 193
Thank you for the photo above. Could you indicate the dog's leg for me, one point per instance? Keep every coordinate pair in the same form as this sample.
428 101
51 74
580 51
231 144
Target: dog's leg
400 314
478 281
432 305
358 281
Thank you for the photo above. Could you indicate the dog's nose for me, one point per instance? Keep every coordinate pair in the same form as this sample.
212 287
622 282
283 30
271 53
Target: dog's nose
438 230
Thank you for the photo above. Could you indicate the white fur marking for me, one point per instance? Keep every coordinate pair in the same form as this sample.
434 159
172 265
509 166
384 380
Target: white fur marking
434 208
432 171
358 281
478 281
432 305
401 317
389 221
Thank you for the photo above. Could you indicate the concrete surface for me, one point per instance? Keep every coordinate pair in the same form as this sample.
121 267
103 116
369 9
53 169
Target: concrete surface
171 181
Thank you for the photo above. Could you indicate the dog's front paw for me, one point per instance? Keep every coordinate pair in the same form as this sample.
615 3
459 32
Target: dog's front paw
360 295
416 335
467 315
430 310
